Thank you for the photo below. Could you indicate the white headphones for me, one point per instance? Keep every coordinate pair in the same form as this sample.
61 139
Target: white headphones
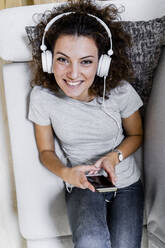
104 61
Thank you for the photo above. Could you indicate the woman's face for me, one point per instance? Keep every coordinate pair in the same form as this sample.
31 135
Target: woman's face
74 65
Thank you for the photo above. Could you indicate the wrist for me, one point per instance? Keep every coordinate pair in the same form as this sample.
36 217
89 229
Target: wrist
113 156
119 155
63 173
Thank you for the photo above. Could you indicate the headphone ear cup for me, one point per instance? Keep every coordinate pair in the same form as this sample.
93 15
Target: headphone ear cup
103 65
46 58
44 64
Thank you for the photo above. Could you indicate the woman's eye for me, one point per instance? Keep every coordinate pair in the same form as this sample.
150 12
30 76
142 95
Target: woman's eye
86 62
62 60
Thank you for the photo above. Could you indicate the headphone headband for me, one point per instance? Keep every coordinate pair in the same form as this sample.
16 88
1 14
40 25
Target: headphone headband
47 57
43 46
49 24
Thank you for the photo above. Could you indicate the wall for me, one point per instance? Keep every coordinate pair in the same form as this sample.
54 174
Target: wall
16 3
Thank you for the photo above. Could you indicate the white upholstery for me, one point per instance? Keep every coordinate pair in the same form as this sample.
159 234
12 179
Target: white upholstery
39 193
13 39
155 158
40 196
63 242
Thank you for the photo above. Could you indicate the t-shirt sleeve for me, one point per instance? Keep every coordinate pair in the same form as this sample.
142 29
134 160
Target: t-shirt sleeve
38 110
129 100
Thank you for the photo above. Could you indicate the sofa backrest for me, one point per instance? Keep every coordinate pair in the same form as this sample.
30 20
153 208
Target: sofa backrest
154 158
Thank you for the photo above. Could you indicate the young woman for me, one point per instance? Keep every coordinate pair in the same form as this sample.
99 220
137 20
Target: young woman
82 98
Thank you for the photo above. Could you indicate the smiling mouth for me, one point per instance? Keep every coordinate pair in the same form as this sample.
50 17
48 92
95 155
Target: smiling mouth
73 83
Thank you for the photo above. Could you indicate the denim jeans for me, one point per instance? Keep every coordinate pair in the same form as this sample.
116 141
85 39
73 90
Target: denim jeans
106 220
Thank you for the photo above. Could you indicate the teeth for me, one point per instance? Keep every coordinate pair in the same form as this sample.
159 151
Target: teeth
75 83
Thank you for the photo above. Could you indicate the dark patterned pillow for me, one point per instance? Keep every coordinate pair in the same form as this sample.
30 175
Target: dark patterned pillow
33 34
148 37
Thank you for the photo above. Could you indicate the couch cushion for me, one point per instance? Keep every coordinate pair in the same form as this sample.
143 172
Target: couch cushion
40 193
13 38
62 242
154 158
13 43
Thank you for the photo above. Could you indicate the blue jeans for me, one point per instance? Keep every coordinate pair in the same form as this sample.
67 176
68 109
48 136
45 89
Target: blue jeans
103 220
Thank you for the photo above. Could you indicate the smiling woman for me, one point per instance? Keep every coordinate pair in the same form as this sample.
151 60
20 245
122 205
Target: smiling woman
75 71
81 97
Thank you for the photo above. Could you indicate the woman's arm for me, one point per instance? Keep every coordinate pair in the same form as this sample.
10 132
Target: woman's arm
45 144
134 136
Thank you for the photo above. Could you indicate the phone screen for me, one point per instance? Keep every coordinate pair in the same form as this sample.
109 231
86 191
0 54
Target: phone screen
101 183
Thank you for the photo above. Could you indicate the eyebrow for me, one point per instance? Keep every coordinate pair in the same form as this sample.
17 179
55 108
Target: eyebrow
80 58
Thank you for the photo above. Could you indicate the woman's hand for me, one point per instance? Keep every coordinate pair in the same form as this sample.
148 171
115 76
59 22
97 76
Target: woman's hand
108 163
76 176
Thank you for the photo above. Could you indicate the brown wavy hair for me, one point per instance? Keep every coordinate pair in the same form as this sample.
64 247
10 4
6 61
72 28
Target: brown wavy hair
79 23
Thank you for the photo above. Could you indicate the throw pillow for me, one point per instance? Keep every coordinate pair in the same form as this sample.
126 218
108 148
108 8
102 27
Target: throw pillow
148 37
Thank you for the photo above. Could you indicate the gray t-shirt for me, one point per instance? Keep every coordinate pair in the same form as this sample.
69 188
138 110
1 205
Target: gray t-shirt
88 130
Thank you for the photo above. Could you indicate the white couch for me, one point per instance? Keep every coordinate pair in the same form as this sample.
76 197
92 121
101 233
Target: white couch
40 196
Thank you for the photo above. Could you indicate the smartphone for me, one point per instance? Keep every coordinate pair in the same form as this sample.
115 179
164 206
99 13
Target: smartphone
101 183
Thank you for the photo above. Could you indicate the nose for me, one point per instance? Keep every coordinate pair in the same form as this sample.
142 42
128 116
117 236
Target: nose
73 71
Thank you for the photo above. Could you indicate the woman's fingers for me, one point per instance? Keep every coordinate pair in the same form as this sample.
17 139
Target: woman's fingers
105 163
85 184
88 168
111 172
78 177
98 163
